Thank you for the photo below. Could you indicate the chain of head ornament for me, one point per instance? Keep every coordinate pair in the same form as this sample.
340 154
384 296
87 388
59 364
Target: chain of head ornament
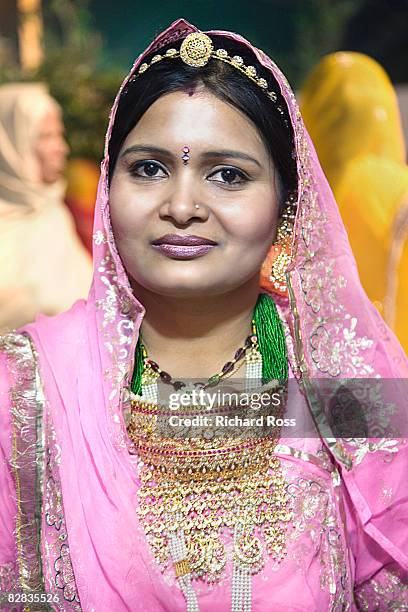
197 49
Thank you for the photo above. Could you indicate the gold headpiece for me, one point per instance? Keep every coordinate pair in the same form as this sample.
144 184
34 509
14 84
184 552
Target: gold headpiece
197 49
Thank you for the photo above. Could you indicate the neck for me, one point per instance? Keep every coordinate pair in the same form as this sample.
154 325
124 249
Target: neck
194 337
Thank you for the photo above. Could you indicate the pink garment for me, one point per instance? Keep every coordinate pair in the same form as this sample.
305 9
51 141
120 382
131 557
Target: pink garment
347 549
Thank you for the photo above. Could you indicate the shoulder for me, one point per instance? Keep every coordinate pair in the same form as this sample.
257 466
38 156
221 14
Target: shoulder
17 364
61 330
15 349
19 350
17 373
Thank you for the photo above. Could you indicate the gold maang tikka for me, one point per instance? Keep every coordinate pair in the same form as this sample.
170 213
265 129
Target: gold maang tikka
197 49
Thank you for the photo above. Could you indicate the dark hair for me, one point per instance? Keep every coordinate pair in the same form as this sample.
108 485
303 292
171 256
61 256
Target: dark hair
225 82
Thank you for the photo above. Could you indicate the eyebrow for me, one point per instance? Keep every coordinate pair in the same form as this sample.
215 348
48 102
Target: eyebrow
207 155
231 154
145 149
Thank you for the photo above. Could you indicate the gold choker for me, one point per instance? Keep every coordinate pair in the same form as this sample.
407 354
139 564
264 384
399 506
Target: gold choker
203 488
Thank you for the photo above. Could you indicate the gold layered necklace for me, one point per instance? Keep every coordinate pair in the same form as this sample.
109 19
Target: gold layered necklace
212 490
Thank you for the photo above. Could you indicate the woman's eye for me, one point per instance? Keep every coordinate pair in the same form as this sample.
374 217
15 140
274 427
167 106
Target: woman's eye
147 169
229 176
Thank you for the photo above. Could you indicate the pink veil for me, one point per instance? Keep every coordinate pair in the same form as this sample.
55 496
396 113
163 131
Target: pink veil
86 358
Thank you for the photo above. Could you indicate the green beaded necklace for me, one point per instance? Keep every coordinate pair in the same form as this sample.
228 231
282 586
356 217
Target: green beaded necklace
271 342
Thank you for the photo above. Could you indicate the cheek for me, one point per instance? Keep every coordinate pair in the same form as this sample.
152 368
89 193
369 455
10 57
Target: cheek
47 161
254 221
42 162
127 212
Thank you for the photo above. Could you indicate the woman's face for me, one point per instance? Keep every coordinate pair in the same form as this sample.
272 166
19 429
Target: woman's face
51 147
200 227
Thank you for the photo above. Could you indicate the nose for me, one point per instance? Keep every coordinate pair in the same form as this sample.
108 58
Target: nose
182 203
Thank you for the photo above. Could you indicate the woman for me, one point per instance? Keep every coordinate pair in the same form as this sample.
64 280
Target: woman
43 265
351 111
127 509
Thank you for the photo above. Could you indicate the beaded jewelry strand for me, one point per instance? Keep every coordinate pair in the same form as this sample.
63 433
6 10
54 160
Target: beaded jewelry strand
267 334
271 340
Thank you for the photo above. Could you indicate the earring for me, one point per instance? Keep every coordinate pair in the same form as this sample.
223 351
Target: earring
273 273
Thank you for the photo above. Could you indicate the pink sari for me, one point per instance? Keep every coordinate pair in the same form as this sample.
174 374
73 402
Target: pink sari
68 485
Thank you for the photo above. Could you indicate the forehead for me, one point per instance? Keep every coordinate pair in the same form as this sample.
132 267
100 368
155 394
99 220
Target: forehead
200 120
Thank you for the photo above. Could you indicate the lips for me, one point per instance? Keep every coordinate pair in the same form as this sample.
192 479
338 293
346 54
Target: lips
176 246
180 240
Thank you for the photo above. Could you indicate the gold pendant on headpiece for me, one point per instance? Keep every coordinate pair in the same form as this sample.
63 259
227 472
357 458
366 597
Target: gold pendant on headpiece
196 49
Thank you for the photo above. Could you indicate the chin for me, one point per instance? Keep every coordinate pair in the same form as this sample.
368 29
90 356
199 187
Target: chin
193 288
51 179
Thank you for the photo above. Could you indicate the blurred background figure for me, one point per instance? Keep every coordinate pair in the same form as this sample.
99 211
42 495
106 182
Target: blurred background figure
82 185
44 267
350 109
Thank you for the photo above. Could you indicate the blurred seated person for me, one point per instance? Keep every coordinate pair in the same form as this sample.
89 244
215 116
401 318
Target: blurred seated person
351 111
43 264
